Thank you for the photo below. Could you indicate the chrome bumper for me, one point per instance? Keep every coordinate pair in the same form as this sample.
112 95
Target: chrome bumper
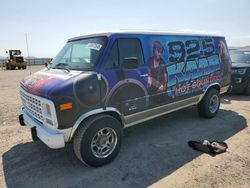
52 138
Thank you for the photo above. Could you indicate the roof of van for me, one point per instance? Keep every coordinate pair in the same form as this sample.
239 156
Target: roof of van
143 32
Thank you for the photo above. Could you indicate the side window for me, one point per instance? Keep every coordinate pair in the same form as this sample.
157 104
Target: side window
112 61
130 48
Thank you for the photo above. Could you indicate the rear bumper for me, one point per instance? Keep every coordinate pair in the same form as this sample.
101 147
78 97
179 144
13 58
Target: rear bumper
224 89
52 138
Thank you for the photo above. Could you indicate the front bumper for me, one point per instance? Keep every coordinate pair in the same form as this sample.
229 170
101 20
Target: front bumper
52 138
239 84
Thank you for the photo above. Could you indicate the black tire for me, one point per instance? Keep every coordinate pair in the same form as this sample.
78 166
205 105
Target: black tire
7 66
12 67
24 67
92 132
209 106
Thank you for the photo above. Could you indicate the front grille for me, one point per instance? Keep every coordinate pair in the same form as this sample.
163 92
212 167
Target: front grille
32 104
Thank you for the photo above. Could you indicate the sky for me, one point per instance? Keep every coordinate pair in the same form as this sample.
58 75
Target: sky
49 23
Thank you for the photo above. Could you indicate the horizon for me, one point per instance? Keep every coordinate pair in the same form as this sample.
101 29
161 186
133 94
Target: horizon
49 24
37 57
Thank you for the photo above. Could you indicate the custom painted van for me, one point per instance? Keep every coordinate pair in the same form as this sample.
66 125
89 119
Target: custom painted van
100 84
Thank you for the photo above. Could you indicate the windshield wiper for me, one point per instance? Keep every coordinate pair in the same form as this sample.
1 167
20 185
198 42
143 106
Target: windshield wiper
61 66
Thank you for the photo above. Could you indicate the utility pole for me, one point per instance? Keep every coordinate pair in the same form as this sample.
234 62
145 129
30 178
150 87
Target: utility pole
26 36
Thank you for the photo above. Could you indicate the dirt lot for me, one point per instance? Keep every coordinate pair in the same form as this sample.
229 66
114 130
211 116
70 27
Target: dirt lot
154 153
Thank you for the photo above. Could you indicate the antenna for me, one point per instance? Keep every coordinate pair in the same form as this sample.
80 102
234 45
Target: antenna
26 36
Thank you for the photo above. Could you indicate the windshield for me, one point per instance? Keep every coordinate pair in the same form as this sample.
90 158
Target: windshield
80 54
240 56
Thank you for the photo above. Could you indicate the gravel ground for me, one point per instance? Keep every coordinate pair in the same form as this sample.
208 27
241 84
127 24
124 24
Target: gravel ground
153 154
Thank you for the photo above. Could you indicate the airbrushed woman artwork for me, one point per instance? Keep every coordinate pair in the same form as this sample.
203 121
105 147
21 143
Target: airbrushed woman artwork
157 74
223 52
224 57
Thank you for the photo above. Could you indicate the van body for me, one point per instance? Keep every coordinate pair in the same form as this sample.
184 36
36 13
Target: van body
99 84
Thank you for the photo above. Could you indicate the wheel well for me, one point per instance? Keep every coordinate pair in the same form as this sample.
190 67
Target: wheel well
111 113
213 87
114 114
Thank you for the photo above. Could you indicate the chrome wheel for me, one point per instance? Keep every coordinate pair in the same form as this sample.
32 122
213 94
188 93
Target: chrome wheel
213 103
104 142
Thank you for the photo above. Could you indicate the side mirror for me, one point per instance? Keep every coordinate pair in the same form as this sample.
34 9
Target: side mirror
48 62
130 63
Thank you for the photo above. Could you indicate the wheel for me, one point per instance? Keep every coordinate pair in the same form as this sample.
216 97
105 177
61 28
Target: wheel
24 67
210 104
12 67
98 140
7 66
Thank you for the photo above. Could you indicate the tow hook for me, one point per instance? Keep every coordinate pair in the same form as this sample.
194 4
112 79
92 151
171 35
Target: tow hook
21 121
34 134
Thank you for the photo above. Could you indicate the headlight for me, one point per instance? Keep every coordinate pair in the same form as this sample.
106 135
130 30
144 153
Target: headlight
48 115
46 110
239 71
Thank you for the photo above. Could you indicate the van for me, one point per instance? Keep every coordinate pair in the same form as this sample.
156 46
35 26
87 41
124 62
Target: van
101 83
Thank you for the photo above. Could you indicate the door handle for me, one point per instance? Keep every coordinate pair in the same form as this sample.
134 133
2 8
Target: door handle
144 75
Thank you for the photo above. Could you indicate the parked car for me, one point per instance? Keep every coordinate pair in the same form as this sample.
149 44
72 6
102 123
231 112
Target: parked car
100 84
240 71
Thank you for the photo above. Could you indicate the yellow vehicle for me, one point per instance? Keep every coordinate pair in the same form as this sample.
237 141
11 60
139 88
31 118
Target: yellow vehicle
15 60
